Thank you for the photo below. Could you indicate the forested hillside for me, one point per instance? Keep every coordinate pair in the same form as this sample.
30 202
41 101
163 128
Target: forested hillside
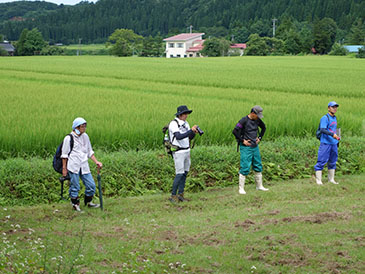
95 22
20 10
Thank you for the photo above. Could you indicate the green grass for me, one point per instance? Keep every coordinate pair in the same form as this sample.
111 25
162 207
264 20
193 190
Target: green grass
296 227
85 47
133 173
126 99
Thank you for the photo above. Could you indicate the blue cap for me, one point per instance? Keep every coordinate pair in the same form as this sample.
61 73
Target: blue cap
78 122
333 104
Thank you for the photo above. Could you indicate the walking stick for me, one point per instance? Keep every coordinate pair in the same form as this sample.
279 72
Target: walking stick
62 180
100 192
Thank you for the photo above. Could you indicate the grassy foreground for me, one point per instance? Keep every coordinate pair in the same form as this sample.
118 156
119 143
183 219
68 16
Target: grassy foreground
296 227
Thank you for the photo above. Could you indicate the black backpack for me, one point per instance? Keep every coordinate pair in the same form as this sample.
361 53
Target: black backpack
57 160
318 131
169 147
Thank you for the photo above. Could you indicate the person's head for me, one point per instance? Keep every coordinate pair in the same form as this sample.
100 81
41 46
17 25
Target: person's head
79 125
332 107
183 112
256 113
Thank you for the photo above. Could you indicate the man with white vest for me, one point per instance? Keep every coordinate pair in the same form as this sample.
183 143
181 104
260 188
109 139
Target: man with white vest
180 135
75 164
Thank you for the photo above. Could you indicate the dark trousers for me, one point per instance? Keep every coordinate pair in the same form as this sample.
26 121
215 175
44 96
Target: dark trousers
179 183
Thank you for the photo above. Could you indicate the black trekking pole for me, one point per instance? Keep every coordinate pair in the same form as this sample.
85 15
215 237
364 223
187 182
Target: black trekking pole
100 192
62 180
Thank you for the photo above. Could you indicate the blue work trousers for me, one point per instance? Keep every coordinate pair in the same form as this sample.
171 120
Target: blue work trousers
327 154
88 181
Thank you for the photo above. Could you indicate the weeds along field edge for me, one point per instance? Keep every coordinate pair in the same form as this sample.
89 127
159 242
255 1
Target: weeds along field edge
133 173
126 99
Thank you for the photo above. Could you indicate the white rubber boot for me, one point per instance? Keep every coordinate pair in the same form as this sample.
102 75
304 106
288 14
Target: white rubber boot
258 180
331 176
242 180
319 177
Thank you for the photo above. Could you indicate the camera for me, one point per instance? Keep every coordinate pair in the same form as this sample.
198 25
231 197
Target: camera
62 179
199 130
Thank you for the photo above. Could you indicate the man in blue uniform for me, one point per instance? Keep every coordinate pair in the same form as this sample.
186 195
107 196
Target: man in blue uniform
327 152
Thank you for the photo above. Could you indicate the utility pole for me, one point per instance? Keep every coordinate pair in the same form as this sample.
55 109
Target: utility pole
191 29
274 26
232 37
79 50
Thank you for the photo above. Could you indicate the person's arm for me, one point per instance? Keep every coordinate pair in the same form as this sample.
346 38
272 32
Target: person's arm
64 167
327 132
324 125
263 129
99 164
179 136
66 147
91 153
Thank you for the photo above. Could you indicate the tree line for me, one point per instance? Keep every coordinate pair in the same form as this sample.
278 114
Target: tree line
231 19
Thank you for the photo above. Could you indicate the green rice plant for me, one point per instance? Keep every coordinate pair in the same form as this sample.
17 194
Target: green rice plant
127 101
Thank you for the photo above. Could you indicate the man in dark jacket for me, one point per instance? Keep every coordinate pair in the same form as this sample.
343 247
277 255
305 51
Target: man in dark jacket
246 132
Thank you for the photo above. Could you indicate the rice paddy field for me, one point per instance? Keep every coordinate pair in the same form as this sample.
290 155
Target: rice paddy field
127 101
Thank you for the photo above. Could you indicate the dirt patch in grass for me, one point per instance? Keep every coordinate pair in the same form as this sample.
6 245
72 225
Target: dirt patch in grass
285 250
318 218
246 224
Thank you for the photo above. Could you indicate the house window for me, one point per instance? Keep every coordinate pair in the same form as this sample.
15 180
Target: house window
171 45
185 56
190 55
180 45
178 56
171 56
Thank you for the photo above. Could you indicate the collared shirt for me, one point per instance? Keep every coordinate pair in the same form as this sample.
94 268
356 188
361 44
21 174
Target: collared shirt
81 152
182 127
329 123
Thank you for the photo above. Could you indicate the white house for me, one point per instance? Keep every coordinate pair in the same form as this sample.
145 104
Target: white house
178 46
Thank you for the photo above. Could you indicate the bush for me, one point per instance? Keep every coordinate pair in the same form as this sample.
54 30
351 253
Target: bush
361 53
338 49
132 173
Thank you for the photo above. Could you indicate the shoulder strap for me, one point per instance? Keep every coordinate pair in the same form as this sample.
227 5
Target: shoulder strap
71 143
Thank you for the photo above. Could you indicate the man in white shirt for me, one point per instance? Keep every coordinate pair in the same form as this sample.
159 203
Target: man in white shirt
75 164
180 135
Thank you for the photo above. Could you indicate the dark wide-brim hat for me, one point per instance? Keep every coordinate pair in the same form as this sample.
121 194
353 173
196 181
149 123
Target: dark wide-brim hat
182 109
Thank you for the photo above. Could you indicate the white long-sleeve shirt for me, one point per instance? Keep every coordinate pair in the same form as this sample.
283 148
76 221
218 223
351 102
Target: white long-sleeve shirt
182 127
81 152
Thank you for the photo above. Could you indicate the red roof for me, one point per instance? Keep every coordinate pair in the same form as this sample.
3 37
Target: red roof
238 46
197 48
184 37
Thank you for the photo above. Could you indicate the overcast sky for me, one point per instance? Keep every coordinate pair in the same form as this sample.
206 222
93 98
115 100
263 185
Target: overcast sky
66 2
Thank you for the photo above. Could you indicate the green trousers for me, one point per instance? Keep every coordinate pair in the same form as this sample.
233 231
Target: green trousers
250 156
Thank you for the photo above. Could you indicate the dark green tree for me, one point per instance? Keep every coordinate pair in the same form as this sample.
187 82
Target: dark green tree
324 32
276 46
124 42
19 45
214 47
257 45
34 42
152 47
357 34
292 42
306 38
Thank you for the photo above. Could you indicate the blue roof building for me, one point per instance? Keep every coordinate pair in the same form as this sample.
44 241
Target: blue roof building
353 48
